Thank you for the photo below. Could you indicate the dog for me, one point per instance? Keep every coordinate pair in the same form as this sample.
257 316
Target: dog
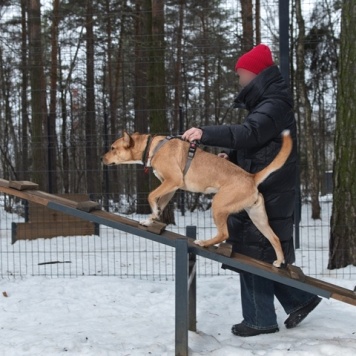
234 188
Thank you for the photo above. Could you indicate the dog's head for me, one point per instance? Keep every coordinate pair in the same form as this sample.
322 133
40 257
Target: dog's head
126 150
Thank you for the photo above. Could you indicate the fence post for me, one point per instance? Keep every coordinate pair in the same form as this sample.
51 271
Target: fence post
182 317
191 232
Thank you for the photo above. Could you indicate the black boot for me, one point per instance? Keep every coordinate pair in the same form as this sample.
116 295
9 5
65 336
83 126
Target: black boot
245 331
299 315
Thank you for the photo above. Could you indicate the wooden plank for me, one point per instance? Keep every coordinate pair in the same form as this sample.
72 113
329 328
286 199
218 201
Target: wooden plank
88 206
35 196
43 198
296 272
114 217
38 212
23 185
224 249
31 231
44 214
157 227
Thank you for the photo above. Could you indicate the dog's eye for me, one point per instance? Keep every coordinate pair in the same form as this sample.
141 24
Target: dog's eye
112 148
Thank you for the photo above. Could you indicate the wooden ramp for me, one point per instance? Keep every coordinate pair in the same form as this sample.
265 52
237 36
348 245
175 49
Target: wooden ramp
90 211
186 252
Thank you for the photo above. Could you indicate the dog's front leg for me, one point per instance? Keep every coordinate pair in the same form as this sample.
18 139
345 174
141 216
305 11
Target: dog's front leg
158 200
154 215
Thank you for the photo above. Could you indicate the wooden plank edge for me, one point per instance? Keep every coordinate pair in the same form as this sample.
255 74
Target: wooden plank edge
23 185
343 298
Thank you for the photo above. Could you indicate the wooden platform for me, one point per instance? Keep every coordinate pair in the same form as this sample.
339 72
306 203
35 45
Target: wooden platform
42 222
292 275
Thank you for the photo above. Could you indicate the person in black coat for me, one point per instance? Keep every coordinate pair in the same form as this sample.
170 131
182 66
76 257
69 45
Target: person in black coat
253 145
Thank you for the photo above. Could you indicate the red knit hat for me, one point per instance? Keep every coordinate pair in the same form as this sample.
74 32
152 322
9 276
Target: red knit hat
256 60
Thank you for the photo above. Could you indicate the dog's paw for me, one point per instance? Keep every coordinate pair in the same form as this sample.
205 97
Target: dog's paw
279 264
200 242
147 222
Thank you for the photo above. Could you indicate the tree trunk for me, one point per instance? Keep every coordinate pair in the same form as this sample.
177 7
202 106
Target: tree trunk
156 74
140 100
52 135
38 94
342 250
258 21
9 138
24 86
92 159
65 151
156 87
247 25
304 104
114 63
206 105
177 68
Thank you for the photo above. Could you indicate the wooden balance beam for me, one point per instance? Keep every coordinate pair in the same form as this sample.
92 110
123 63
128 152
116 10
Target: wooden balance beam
91 211
186 252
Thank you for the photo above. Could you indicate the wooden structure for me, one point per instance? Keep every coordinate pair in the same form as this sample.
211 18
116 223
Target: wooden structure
42 222
186 252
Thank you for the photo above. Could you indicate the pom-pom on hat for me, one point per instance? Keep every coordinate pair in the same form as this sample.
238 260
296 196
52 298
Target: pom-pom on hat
256 60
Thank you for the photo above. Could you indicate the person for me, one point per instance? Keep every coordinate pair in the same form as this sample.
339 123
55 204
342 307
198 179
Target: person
253 145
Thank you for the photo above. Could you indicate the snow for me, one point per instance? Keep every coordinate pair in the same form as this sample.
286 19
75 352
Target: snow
113 316
108 315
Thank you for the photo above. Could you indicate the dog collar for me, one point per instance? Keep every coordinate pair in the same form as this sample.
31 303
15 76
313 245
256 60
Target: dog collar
146 151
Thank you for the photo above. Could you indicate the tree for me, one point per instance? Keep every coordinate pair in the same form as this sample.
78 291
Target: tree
92 158
342 249
140 97
305 110
38 94
156 84
178 67
156 69
247 25
321 49
24 106
52 136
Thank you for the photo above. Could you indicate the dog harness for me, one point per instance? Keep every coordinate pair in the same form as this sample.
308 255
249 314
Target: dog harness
147 160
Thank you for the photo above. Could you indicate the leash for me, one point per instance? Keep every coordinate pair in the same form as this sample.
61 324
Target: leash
191 152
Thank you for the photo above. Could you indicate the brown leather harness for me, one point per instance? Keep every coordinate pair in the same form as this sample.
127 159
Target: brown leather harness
146 158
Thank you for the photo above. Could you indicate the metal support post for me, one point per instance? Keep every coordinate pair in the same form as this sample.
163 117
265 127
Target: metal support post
181 302
191 232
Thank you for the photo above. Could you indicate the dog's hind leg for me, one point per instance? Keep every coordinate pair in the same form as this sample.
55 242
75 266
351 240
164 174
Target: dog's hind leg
221 210
258 215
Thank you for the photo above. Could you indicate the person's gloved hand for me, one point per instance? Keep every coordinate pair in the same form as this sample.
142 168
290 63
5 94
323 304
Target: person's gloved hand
193 134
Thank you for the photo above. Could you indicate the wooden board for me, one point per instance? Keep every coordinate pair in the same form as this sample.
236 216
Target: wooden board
88 206
31 231
23 185
37 212
336 292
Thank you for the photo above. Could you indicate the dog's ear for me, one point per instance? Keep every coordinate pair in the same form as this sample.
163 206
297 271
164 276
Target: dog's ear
128 141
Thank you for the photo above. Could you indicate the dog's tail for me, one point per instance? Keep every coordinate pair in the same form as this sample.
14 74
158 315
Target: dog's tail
279 160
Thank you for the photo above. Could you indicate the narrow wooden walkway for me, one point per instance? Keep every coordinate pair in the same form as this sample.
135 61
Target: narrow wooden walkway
90 211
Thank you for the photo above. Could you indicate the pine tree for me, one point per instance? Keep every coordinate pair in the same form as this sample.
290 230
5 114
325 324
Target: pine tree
343 220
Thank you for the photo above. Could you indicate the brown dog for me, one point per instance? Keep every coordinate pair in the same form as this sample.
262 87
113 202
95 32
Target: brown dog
235 188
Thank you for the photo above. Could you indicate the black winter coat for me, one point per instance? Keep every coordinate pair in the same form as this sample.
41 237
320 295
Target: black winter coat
255 144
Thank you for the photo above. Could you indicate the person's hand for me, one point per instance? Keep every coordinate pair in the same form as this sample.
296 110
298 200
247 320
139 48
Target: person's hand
223 155
193 134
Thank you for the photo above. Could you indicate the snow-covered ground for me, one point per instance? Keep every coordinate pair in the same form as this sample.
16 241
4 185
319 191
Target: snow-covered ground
109 315
113 316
